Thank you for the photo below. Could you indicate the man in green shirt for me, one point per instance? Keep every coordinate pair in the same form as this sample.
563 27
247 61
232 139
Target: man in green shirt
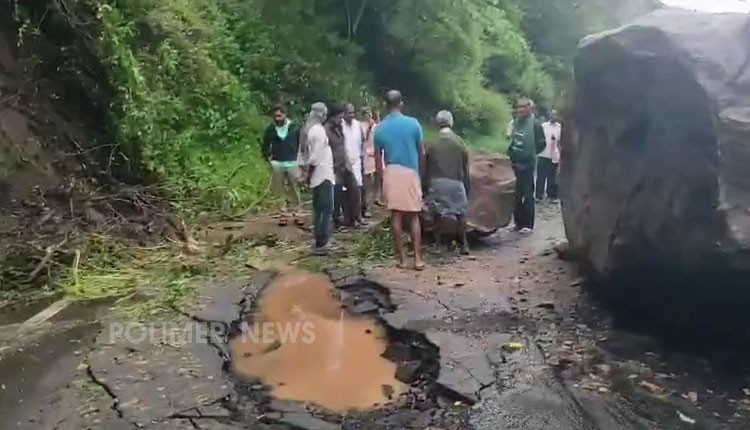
447 180
526 142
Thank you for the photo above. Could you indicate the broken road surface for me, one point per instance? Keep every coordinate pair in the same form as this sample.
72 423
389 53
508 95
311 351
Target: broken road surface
520 347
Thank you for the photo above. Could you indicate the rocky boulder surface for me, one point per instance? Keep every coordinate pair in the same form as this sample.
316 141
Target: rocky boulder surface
491 198
655 176
492 195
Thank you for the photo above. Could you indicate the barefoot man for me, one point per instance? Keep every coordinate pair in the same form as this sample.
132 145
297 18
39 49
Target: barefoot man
399 141
447 180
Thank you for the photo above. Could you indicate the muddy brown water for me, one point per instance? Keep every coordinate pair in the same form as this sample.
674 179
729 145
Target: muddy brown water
335 361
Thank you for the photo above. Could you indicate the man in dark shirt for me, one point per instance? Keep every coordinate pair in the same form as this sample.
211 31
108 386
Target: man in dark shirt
447 180
345 180
280 144
526 142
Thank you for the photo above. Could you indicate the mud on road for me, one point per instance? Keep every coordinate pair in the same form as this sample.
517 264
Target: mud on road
505 339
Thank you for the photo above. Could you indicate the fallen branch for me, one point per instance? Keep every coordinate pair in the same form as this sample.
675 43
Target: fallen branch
49 253
46 217
252 206
45 315
86 151
76 262
7 99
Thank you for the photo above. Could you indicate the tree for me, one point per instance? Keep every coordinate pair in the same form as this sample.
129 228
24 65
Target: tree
554 27
353 21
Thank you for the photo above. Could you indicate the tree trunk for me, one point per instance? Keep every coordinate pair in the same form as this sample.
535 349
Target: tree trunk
348 20
360 14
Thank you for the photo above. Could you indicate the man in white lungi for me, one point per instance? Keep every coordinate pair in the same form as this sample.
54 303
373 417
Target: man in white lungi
354 142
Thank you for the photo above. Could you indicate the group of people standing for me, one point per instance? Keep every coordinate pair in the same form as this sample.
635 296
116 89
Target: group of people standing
351 142
334 153
534 150
352 163
288 149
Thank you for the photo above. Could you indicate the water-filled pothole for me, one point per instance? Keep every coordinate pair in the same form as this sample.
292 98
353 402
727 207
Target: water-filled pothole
310 342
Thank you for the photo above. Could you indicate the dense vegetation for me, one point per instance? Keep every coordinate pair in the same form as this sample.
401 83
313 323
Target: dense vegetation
187 83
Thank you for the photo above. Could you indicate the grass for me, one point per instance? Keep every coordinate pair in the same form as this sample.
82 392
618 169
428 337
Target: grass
358 249
148 283
486 143
15 285
152 282
492 144
374 247
142 281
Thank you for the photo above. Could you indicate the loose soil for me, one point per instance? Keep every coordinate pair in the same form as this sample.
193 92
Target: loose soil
60 177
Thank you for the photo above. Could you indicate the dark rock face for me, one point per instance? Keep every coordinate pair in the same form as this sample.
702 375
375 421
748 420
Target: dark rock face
657 163
655 176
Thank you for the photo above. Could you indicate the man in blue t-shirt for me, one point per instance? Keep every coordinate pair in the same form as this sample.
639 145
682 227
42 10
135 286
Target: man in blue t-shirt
399 141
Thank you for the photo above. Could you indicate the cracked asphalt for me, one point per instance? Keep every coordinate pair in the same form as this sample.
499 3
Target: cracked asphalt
520 342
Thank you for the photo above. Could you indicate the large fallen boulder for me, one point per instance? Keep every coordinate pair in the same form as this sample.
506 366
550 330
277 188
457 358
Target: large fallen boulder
491 198
655 176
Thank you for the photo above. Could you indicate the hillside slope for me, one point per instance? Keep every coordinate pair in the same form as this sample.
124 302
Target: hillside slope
115 114
56 177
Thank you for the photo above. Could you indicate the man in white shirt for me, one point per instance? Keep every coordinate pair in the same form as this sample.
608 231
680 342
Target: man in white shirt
354 142
549 160
320 176
370 185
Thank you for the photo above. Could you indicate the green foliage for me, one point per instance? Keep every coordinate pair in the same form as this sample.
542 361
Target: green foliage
195 77
191 82
104 268
554 27
469 56
488 143
185 85
492 143
152 281
284 59
184 114
374 246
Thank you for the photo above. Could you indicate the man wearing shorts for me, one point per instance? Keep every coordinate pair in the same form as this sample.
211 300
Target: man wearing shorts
280 145
399 141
